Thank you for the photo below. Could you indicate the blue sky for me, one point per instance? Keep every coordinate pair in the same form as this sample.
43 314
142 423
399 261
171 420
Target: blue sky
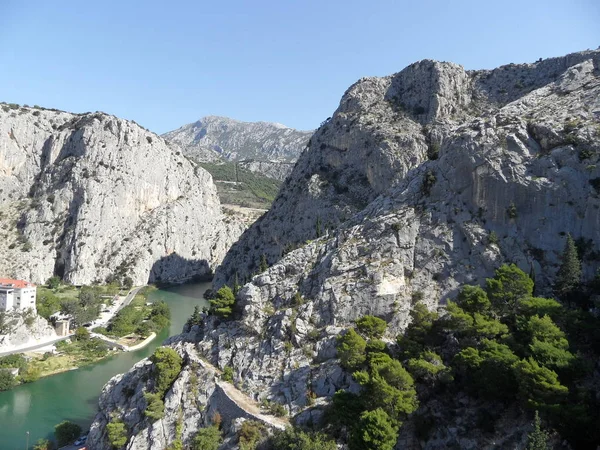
167 63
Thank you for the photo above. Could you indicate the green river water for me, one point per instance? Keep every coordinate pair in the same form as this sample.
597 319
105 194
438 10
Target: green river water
38 406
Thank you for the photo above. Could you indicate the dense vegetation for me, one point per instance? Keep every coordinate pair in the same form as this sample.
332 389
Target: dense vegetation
82 304
253 189
499 343
166 367
138 318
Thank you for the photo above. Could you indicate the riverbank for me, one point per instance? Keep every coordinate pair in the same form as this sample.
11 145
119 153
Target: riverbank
73 395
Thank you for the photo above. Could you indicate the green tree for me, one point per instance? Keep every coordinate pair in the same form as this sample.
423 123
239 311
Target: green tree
389 386
509 285
375 431
537 439
7 380
196 317
208 438
66 432
53 282
569 273
222 304
167 365
117 433
227 374
539 386
294 439
473 299
530 306
82 334
351 350
371 326
155 408
263 265
419 333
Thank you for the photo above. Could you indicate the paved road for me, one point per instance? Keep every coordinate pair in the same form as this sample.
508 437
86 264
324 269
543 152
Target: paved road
126 302
35 346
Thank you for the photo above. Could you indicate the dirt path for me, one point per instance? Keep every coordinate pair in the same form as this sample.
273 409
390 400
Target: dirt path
245 402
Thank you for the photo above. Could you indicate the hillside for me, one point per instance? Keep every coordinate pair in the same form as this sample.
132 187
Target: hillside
268 148
237 185
91 198
425 202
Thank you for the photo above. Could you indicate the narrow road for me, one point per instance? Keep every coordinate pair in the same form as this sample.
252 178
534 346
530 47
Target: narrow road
132 293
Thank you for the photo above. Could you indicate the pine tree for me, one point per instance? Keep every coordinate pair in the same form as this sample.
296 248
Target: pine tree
318 227
538 438
263 266
569 274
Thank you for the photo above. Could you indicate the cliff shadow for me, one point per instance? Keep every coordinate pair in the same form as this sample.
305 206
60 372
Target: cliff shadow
174 269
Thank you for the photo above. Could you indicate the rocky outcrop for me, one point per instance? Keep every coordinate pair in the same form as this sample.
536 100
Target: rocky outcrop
213 138
19 328
92 197
419 182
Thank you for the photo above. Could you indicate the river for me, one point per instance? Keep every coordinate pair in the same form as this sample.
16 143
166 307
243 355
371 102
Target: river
37 407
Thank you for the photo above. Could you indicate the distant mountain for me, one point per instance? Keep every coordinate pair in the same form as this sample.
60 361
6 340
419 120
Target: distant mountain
215 138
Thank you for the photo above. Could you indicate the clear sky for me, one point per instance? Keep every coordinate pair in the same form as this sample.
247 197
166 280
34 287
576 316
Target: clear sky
167 63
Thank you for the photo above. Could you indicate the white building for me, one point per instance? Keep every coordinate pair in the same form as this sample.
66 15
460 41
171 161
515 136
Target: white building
17 295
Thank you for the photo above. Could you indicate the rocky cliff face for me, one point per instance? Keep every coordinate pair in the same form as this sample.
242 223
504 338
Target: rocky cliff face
20 328
420 181
92 197
213 138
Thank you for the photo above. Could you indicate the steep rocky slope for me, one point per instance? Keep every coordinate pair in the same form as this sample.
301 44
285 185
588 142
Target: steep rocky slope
92 197
420 181
267 148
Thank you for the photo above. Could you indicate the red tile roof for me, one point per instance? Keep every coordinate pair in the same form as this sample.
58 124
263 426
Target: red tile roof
18 284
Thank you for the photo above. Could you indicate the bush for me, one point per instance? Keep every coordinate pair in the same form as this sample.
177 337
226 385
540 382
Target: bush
82 334
277 409
66 432
294 439
227 374
371 326
208 438
7 380
250 434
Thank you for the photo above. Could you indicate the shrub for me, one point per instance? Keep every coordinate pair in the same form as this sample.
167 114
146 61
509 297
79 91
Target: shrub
429 180
208 438
7 380
227 374
371 326
277 409
249 434
294 439
511 211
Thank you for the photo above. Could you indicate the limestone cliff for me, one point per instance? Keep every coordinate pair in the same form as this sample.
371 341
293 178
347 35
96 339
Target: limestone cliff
420 181
92 197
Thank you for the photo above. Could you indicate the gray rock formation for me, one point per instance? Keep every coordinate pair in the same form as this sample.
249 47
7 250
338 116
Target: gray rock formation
213 138
92 197
19 328
420 182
